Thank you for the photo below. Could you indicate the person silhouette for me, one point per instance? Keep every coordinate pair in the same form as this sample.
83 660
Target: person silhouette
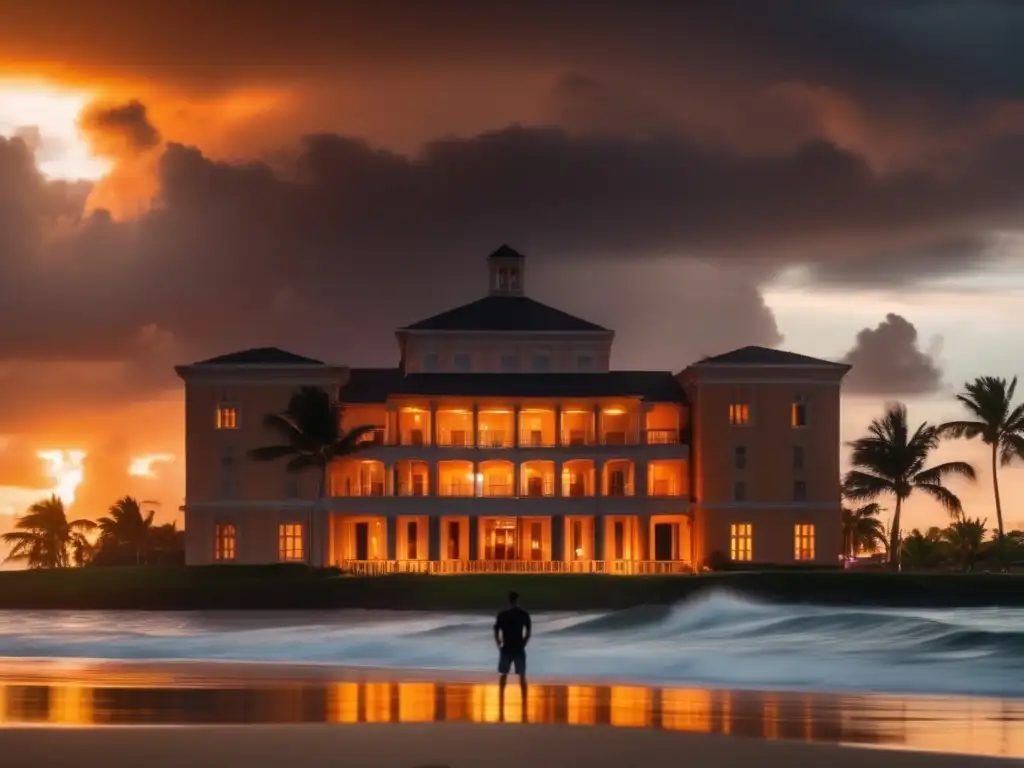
512 630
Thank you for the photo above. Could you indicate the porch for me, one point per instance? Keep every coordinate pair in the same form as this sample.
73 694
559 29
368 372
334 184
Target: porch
451 544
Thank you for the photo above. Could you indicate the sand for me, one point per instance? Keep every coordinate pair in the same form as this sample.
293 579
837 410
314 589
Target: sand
455 745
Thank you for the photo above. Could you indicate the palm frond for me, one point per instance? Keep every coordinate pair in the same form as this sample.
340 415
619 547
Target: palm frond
864 486
272 452
949 500
935 475
961 429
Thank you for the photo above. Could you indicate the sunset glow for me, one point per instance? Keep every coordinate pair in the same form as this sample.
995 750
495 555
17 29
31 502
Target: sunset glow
142 466
47 117
65 467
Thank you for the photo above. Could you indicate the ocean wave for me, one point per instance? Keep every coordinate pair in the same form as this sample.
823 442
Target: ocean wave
721 640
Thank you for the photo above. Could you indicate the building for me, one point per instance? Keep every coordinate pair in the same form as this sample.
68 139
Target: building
503 441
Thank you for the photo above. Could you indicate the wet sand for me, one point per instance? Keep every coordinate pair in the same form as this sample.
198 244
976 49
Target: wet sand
308 715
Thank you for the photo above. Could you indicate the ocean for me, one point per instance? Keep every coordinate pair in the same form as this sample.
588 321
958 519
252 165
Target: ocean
717 641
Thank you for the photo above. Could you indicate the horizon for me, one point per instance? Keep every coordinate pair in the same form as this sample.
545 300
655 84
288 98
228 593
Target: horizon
838 181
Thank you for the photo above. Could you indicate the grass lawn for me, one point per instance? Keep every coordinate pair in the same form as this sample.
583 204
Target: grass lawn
288 586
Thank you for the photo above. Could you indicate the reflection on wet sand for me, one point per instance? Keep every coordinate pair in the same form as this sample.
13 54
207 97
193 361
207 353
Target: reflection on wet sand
975 726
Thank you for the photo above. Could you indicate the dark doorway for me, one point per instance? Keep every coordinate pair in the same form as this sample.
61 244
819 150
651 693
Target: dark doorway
453 540
411 540
663 537
362 541
620 540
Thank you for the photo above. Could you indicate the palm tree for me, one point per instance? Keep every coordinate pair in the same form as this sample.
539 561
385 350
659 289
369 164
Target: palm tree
890 460
862 530
127 527
997 421
965 538
923 550
312 437
43 536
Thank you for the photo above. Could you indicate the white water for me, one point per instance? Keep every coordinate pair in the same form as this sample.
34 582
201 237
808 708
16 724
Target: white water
720 641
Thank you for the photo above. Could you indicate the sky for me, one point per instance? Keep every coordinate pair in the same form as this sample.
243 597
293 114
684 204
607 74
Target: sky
179 180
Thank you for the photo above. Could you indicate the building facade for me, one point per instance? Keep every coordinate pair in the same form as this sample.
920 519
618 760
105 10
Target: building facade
503 441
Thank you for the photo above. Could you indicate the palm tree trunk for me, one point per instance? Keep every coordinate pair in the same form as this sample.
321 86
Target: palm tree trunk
999 505
894 536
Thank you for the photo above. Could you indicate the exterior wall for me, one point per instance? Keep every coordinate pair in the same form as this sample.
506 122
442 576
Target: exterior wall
486 351
770 501
256 532
219 477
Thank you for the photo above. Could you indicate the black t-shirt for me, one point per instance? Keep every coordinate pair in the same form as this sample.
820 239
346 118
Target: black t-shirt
512 622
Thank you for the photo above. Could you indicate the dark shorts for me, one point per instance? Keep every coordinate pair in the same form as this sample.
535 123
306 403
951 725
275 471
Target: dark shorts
509 659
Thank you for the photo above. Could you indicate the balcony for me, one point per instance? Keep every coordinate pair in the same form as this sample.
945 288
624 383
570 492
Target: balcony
465 488
662 437
376 437
535 438
494 438
443 567
498 489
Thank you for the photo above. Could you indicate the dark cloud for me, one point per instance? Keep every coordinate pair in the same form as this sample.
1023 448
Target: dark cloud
887 360
114 131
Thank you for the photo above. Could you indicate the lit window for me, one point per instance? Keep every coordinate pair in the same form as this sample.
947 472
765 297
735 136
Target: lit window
739 413
430 363
542 363
289 542
227 417
799 491
739 491
798 413
462 363
803 542
585 363
741 457
224 539
509 363
798 457
741 541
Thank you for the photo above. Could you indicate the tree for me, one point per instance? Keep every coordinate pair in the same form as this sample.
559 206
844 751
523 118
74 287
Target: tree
312 437
44 537
862 530
965 538
997 421
891 460
923 550
166 544
126 527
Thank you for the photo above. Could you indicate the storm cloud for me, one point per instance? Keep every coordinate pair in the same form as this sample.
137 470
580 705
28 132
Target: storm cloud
888 361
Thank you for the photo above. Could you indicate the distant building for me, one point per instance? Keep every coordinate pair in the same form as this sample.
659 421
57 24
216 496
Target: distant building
505 442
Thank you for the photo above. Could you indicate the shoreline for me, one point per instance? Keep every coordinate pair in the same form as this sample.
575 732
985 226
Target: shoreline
146 695
449 746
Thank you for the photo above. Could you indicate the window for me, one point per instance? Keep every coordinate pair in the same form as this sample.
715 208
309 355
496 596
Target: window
541 363
803 542
502 279
741 541
798 415
291 488
585 363
798 457
799 491
411 540
509 363
739 414
430 362
227 473
227 416
224 541
462 362
513 279
739 491
741 456
289 542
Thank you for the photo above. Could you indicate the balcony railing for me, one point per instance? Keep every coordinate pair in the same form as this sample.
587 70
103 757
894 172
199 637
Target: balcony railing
455 438
457 489
670 487
611 567
662 437
576 437
619 489
376 437
497 489
535 438
358 489
535 488
494 438
413 489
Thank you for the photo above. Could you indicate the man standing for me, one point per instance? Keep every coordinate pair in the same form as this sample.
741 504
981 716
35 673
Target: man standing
511 634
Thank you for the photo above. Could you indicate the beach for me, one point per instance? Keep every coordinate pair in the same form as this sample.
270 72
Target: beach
155 714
